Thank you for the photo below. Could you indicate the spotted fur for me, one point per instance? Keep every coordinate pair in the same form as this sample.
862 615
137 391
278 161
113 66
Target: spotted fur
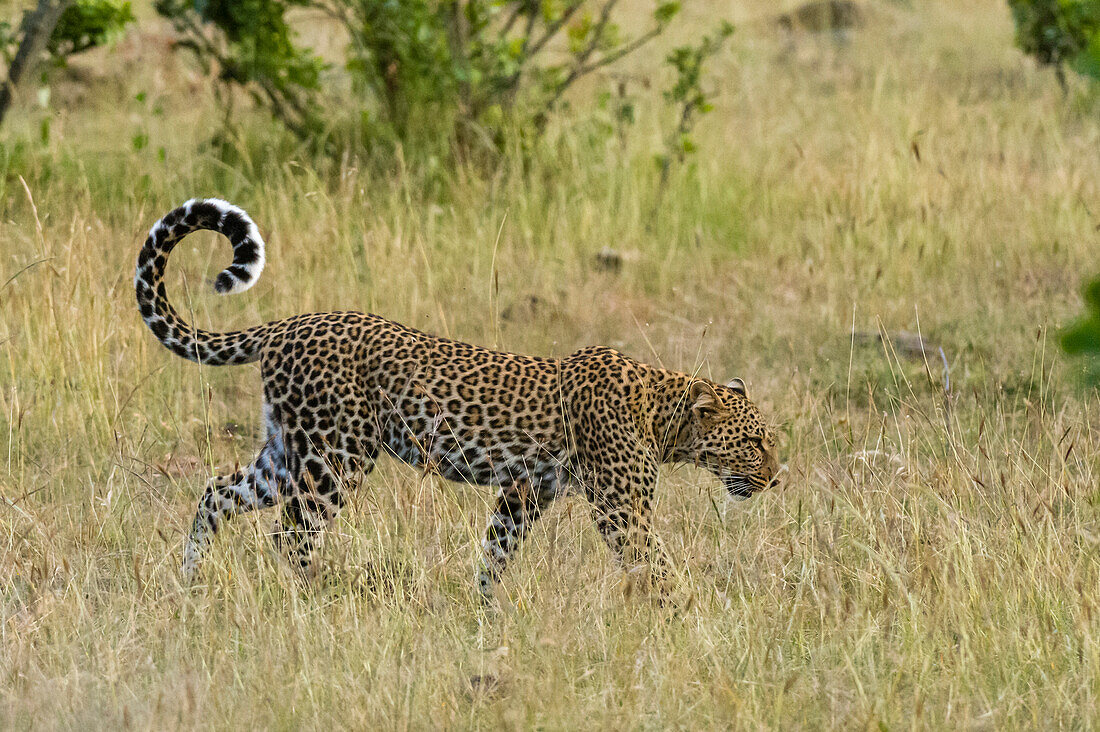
341 389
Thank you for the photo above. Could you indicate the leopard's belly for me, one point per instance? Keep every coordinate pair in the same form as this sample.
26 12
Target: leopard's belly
447 445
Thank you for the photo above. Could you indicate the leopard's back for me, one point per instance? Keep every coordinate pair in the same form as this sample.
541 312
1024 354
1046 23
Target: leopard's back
467 412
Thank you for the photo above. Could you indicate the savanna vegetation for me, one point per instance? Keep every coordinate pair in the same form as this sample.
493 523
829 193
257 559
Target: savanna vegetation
882 225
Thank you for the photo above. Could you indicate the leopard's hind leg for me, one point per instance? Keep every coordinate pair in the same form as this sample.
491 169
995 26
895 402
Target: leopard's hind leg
300 526
255 487
313 498
518 505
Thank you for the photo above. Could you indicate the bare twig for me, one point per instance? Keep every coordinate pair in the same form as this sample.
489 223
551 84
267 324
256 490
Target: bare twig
623 50
583 68
552 30
666 163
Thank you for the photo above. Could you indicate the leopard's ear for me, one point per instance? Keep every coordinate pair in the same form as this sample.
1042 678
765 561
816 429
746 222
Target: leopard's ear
738 386
704 399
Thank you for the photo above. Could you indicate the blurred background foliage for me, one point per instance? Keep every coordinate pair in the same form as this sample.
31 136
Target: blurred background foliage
1066 34
1060 33
464 77
462 80
81 26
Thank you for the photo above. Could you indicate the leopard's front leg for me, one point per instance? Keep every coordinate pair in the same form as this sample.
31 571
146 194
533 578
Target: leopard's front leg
622 508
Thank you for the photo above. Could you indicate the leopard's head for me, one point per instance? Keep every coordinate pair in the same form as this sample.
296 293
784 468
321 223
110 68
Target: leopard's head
725 434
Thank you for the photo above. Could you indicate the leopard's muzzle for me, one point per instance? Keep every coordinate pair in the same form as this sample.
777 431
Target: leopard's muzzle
742 487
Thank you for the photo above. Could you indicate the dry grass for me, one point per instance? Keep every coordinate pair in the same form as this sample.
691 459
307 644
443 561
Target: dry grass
931 561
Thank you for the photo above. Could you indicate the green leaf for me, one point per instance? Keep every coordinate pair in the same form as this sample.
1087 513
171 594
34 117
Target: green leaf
626 113
578 33
1087 62
550 10
666 12
610 37
1092 294
1083 337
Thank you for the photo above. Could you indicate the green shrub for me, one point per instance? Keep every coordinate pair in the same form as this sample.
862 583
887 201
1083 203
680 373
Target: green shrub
253 49
462 71
690 99
1060 33
58 29
86 24
1083 337
1066 33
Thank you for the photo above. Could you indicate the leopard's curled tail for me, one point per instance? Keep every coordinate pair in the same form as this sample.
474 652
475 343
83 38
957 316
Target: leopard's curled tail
178 336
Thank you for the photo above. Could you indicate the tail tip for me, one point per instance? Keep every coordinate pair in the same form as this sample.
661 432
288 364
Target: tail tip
225 283
237 278
248 247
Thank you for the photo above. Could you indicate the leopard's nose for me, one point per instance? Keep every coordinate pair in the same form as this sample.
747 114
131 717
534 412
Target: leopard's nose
771 470
776 478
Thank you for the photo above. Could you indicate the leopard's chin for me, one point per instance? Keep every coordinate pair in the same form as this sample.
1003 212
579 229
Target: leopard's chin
739 487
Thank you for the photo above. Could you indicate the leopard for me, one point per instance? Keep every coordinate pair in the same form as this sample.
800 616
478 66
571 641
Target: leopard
343 389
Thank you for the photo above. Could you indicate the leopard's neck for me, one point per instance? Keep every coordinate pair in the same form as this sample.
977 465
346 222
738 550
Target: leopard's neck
669 411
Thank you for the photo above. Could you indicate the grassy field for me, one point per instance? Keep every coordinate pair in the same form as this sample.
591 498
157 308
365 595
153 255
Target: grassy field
930 562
